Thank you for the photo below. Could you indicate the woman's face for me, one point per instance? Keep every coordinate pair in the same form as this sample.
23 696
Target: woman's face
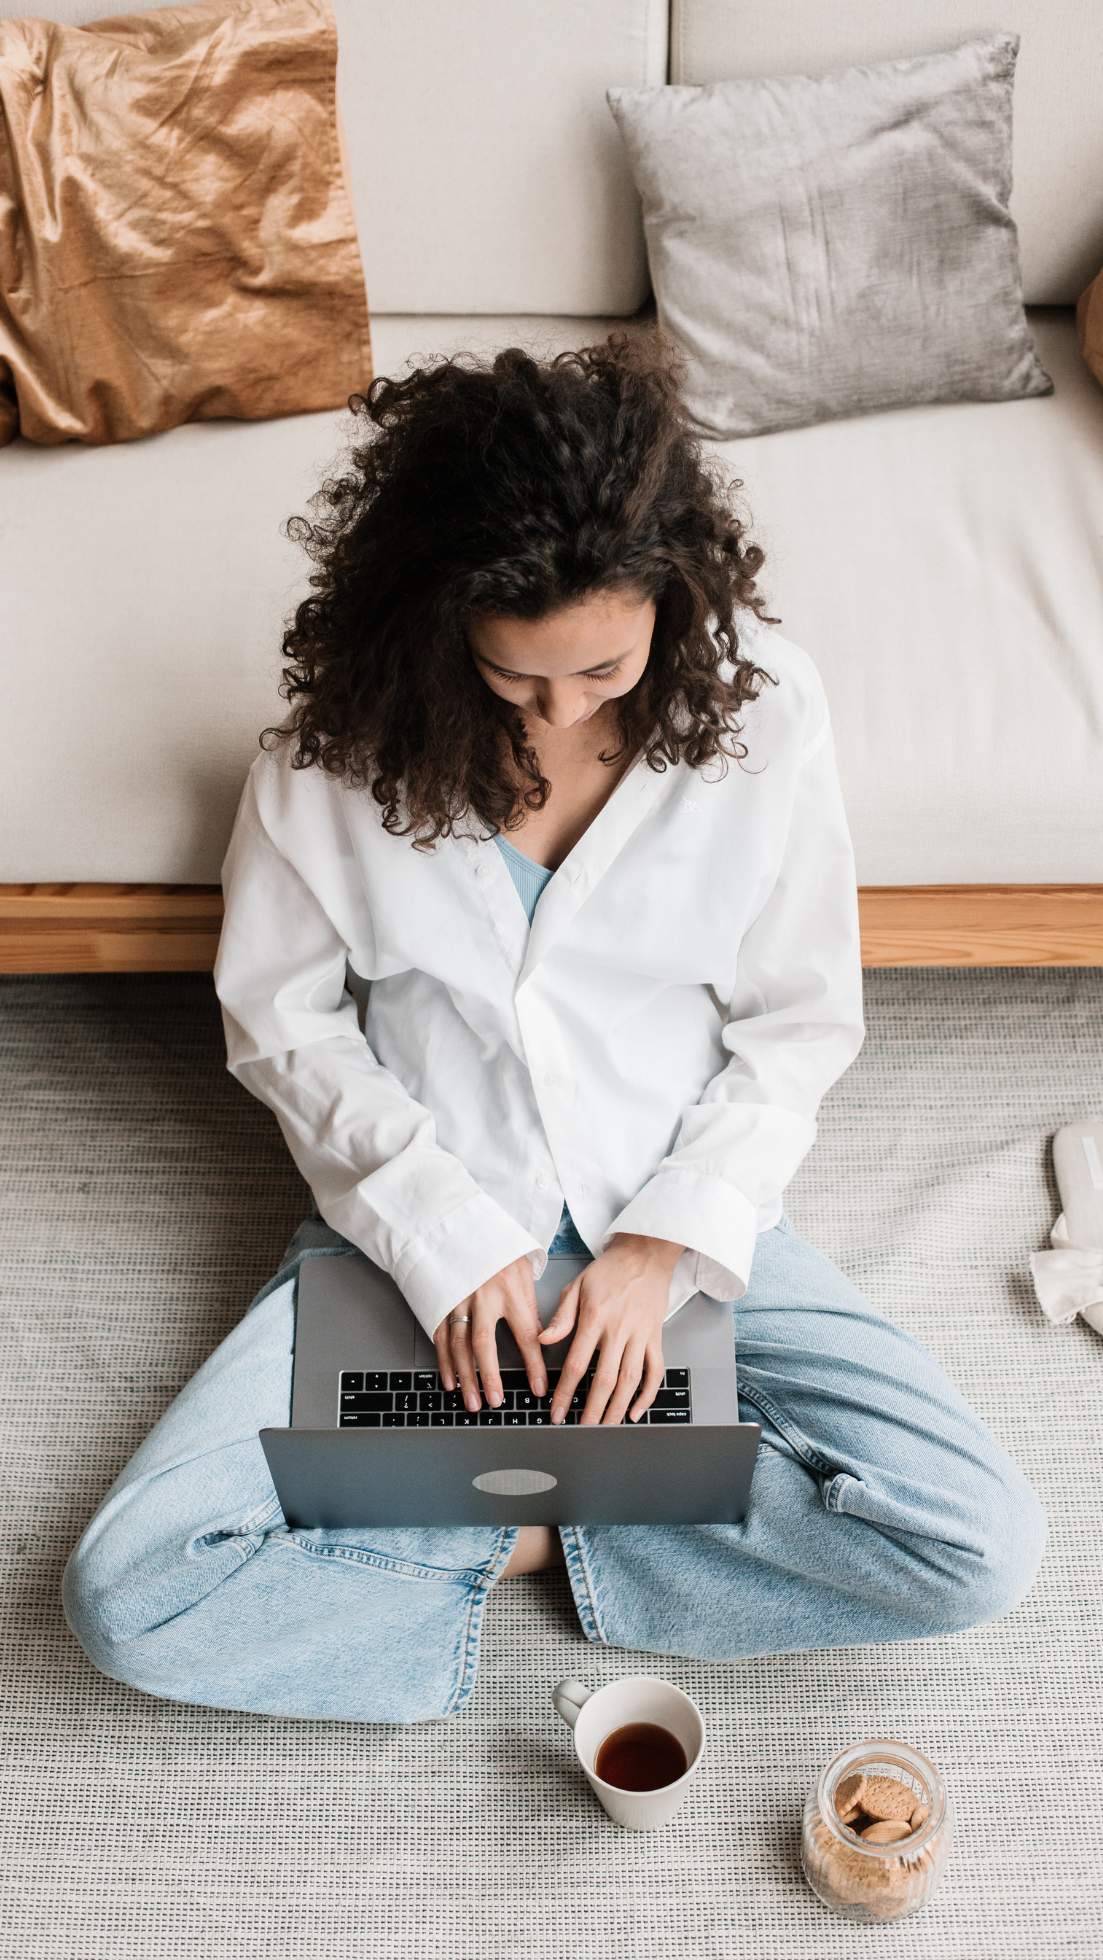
562 669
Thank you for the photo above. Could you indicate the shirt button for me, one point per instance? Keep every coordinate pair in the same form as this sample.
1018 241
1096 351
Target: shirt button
541 1182
482 871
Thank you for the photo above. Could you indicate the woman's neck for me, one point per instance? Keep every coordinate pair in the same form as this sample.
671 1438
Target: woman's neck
581 784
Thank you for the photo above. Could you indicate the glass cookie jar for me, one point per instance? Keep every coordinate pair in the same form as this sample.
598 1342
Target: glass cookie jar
870 1881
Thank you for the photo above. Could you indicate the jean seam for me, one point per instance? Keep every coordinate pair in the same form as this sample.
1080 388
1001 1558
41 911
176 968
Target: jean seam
832 1492
260 1520
578 1569
406 1568
794 1437
472 1633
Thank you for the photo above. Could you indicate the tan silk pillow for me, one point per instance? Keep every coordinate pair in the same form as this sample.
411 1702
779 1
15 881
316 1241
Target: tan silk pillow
177 240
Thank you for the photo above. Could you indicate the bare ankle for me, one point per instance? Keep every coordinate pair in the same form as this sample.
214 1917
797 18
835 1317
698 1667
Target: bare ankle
538 1547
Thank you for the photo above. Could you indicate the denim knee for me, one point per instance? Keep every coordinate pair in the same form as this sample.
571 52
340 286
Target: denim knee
93 1622
1012 1534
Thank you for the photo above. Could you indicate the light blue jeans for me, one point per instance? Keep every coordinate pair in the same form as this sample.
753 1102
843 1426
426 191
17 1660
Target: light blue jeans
881 1509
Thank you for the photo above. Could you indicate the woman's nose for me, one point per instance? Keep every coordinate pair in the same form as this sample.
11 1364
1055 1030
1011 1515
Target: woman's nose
560 703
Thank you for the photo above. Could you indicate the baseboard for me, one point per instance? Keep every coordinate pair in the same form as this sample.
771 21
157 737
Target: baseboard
174 928
981 925
109 928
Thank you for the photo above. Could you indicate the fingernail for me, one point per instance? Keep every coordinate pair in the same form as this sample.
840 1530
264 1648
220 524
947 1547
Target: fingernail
472 1402
539 1386
495 1401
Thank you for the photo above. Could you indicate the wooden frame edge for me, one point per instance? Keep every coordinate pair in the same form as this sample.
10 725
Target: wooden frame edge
79 928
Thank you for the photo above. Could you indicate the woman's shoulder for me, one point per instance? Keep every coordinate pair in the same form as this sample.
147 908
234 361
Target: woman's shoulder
307 798
791 705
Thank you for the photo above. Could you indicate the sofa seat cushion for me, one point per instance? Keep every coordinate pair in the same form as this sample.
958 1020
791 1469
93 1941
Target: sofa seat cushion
943 565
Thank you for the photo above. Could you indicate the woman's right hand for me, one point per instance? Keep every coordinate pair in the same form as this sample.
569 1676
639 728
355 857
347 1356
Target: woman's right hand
464 1346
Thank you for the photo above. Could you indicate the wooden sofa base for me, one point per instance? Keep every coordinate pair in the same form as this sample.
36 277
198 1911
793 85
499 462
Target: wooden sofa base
174 928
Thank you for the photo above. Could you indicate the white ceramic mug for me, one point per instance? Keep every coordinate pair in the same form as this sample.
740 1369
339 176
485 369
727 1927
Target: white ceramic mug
637 1698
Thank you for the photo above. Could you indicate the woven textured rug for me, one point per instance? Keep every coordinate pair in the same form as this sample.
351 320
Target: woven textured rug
145 1197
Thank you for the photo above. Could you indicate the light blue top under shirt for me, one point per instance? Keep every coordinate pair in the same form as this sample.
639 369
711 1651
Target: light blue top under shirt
530 880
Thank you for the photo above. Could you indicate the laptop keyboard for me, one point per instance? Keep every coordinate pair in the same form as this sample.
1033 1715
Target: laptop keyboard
416 1399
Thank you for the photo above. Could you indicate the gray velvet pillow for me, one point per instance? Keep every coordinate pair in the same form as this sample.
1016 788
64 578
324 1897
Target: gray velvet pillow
826 246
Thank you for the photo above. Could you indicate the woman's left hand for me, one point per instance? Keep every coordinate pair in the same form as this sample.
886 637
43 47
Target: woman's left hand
619 1303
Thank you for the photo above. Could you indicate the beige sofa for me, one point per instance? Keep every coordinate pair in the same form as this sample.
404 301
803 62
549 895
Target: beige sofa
943 566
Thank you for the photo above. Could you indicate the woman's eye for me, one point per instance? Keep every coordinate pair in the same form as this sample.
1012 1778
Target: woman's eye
609 674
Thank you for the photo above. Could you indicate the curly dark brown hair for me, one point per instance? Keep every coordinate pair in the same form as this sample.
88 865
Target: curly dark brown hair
512 487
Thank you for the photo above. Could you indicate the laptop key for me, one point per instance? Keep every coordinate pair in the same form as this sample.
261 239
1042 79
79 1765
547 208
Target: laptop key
406 1399
351 1380
514 1419
514 1378
538 1419
490 1419
671 1398
676 1378
393 1421
464 1419
420 1419
525 1399
668 1415
401 1378
430 1400
425 1378
363 1402
442 1422
361 1422
453 1399
377 1380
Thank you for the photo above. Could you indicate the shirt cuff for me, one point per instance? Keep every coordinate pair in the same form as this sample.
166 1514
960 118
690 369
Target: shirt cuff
716 1223
437 1270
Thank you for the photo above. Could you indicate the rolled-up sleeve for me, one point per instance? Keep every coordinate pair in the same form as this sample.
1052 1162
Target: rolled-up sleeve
365 1146
794 1024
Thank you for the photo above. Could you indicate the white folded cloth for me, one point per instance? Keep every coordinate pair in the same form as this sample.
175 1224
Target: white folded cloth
1069 1280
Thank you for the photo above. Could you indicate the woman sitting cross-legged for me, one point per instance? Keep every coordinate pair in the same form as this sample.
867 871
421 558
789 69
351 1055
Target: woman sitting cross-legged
557 799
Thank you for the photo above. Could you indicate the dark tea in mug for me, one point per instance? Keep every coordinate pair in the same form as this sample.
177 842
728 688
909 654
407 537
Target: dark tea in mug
640 1756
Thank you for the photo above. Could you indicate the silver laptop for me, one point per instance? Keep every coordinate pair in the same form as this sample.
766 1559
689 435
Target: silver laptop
376 1440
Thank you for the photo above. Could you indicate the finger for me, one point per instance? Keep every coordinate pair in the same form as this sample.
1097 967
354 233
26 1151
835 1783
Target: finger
579 1355
523 1322
565 1315
484 1323
443 1344
465 1364
652 1381
606 1376
628 1380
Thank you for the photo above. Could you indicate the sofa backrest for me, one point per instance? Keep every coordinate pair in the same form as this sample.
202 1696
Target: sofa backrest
489 176
1057 199
488 173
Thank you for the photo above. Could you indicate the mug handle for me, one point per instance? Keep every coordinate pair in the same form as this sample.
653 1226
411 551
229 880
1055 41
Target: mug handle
568 1698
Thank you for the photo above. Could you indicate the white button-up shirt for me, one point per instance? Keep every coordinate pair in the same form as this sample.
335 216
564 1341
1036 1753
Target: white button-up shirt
651 1051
